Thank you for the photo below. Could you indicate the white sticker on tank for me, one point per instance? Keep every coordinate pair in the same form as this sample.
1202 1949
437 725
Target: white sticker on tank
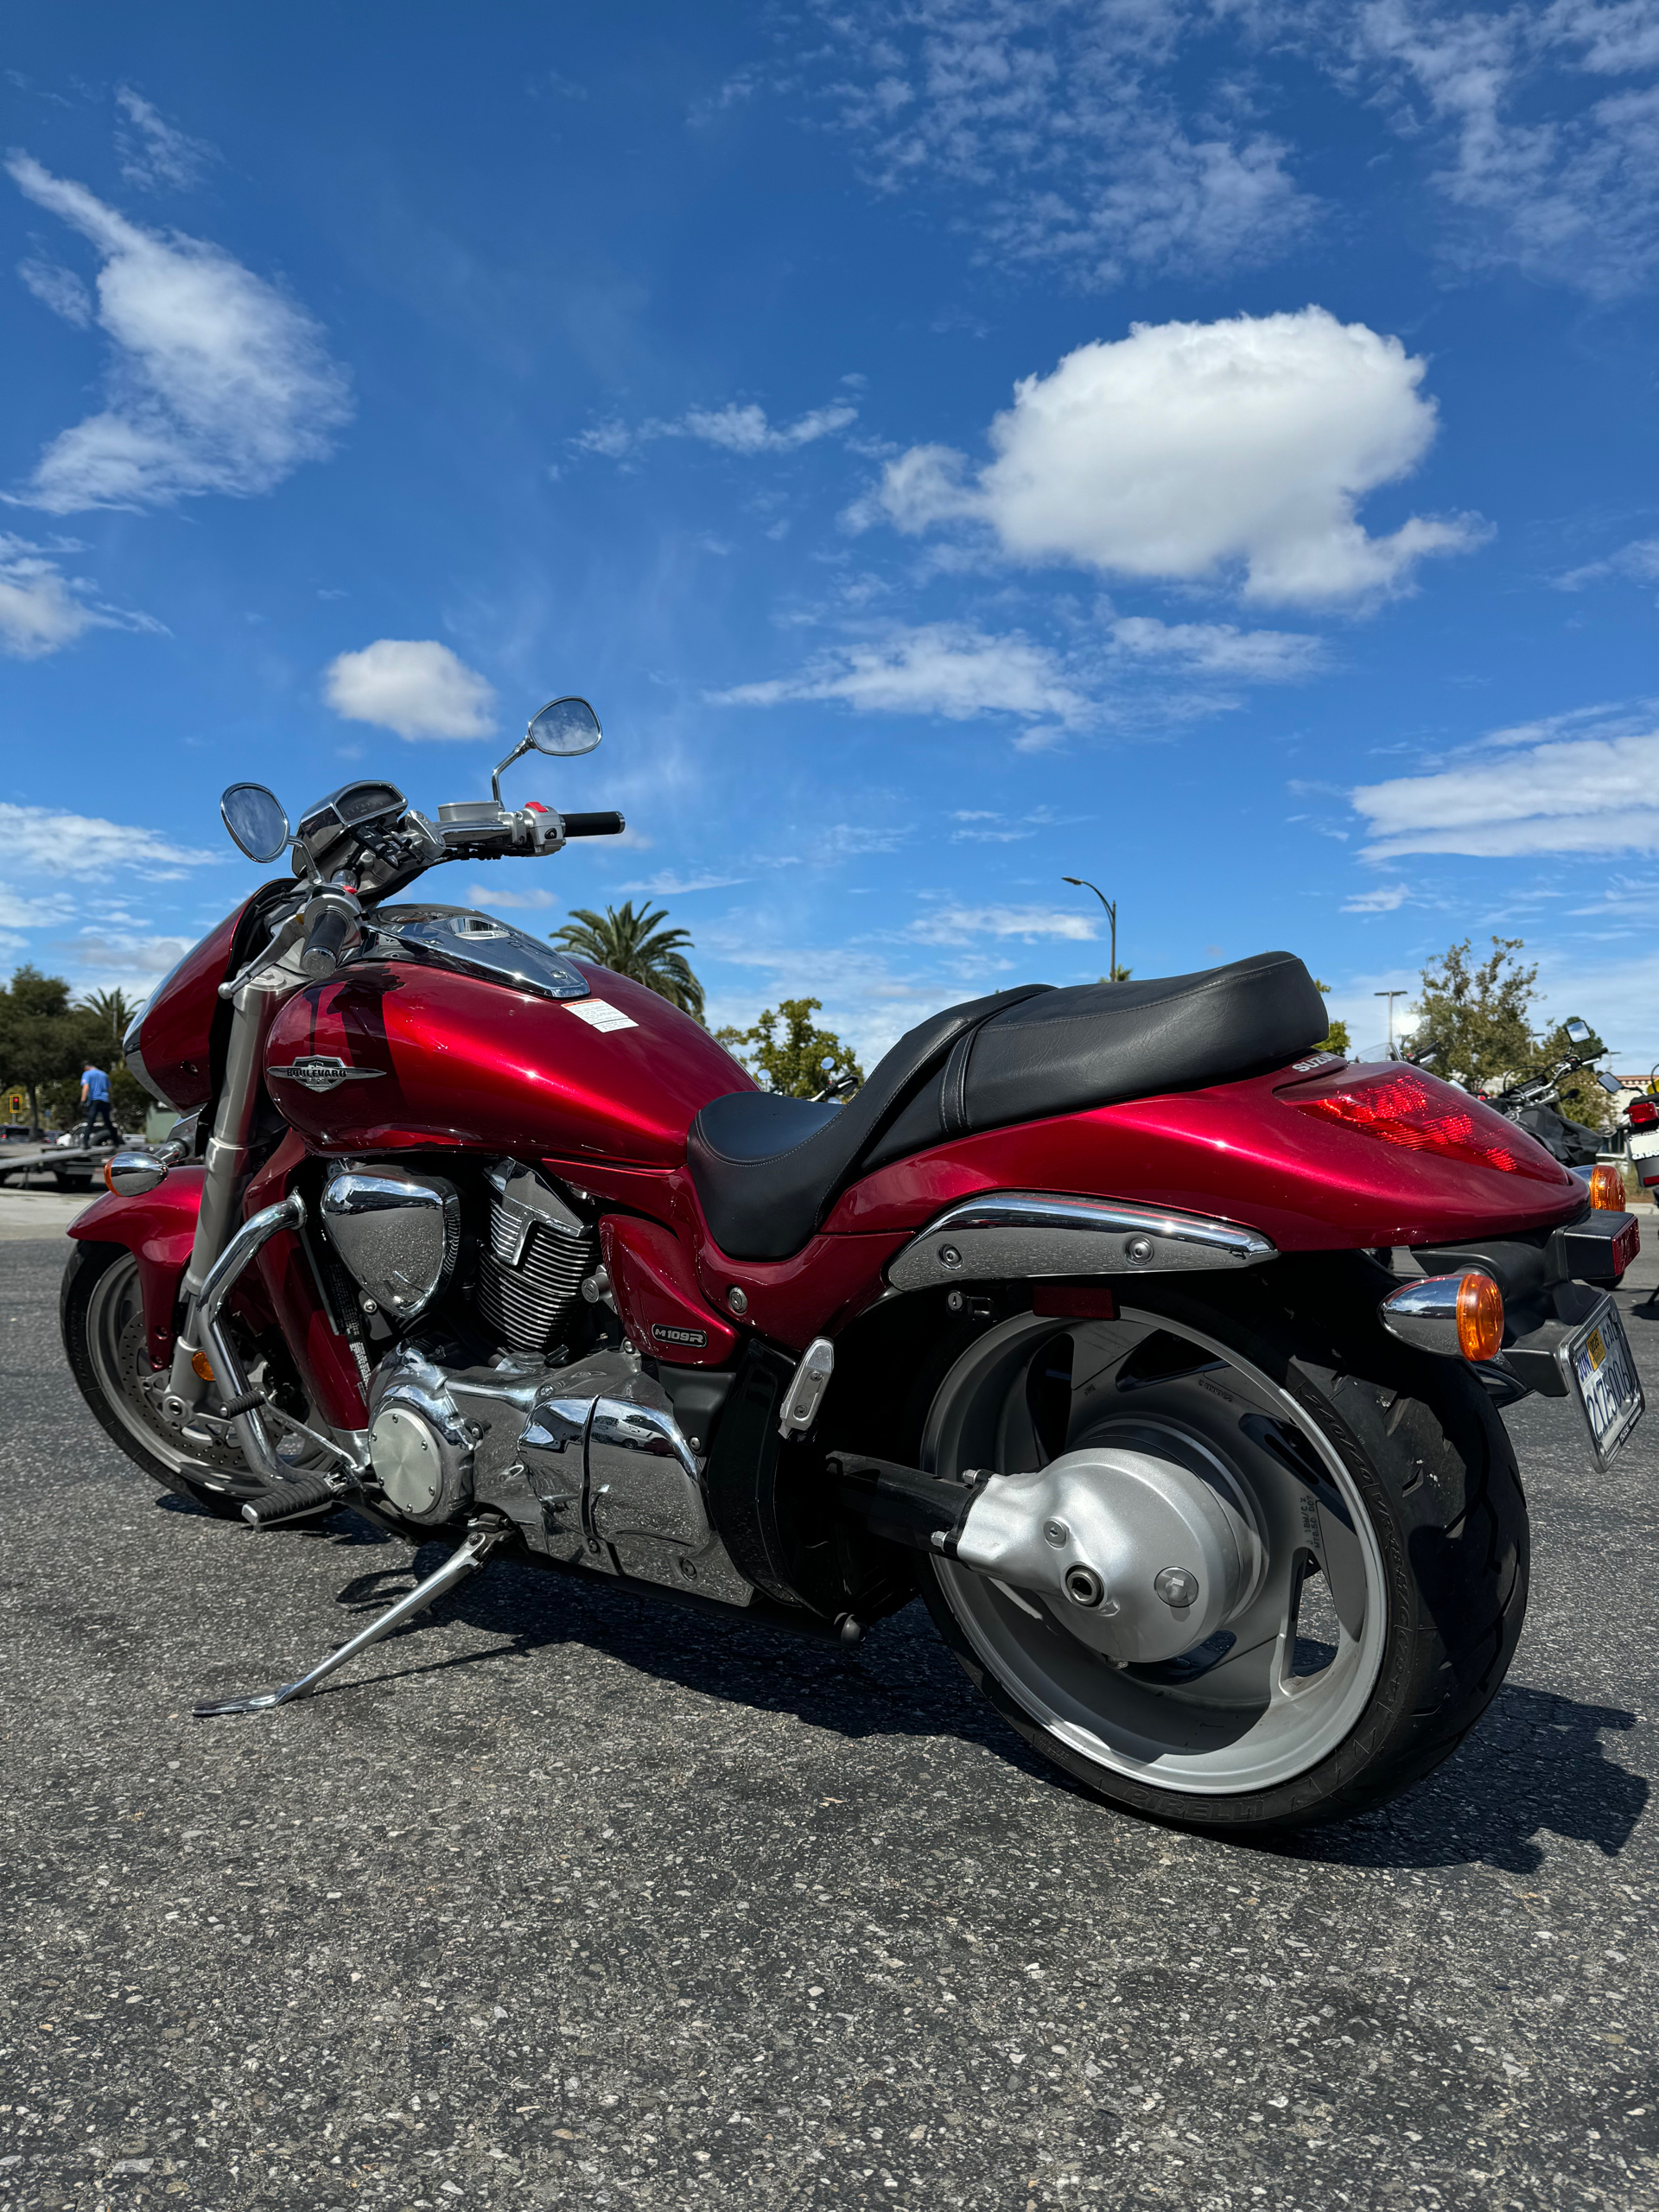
598 1015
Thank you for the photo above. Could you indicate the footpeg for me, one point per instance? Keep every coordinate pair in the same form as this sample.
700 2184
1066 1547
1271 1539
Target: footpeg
292 1501
482 1541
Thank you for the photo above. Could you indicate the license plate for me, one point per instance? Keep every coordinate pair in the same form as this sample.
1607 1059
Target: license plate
1603 1376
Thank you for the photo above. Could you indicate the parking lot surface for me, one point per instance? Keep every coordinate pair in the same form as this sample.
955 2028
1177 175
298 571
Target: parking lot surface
559 1899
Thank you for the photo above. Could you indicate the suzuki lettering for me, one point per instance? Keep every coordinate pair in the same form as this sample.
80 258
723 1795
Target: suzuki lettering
1071 1320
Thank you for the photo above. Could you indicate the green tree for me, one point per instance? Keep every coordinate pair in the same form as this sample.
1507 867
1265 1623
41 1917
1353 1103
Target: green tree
43 1039
633 945
1475 1014
114 1010
800 1062
1120 974
1335 1038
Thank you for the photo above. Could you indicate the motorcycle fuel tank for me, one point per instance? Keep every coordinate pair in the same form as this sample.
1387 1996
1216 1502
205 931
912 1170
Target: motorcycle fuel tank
399 1053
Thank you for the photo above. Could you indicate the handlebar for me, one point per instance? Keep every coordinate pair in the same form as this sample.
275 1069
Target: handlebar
326 940
594 825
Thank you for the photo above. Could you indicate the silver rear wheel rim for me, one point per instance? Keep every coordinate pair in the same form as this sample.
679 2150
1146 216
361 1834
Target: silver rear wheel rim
1264 1710
131 1389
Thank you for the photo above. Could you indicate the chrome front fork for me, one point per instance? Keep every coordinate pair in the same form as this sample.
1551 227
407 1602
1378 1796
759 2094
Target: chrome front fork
253 1010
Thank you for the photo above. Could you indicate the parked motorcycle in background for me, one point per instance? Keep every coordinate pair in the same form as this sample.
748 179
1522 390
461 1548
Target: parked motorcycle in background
1063 1320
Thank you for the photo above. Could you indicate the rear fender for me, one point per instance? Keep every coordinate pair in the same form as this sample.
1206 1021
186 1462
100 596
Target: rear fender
1241 1152
159 1230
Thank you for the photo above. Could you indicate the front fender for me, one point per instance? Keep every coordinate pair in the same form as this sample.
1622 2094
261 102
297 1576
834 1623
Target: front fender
159 1230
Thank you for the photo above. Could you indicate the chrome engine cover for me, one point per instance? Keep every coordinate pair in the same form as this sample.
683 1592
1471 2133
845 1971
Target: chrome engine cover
588 1460
399 1235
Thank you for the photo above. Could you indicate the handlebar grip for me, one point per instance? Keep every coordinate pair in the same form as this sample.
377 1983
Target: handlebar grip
327 940
594 825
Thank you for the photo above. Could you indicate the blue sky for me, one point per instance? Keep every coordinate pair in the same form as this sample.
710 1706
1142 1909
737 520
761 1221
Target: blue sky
1209 450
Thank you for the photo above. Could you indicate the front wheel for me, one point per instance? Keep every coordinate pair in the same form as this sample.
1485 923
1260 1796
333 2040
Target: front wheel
102 1316
1388 1524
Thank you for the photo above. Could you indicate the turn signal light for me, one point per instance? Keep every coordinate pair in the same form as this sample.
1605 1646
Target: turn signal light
1607 1189
1480 1317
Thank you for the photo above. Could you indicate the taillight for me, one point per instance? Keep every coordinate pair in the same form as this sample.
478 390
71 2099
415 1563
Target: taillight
1643 1112
1607 1189
1422 1114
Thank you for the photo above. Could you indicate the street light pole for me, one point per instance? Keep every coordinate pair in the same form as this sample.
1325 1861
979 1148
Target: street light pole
1390 996
1110 905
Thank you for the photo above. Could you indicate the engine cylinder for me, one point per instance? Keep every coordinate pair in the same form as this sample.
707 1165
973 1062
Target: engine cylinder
530 1274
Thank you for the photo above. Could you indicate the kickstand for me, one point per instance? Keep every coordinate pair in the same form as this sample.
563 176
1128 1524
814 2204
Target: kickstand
482 1541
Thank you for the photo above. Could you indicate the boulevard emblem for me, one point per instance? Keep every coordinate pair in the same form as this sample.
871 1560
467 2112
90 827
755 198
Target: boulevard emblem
322 1071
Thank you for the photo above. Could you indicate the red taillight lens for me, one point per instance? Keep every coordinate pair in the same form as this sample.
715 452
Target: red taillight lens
1607 1189
1425 1115
1644 1112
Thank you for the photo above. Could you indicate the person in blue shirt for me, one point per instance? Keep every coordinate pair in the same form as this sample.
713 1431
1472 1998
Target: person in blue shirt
95 1100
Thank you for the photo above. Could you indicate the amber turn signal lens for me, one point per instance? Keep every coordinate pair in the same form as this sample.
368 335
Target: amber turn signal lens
1607 1189
1480 1317
203 1366
109 1186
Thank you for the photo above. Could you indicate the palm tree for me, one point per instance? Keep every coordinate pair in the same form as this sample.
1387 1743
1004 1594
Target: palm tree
631 944
113 1008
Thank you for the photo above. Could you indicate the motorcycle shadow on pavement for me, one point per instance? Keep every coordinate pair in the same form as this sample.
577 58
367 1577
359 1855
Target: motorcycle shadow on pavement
1537 1762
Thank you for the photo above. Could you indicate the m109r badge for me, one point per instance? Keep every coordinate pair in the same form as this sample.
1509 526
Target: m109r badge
322 1071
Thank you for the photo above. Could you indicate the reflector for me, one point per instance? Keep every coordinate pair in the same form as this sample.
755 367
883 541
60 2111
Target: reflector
1644 1112
1424 1114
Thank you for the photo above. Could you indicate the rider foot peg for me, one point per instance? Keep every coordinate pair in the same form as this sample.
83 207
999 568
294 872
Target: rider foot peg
307 1494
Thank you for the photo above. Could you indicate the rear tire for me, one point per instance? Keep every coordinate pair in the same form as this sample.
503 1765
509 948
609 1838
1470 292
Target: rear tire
1411 1445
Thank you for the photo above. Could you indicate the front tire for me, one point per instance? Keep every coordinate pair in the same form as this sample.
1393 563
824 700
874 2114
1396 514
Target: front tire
101 1314
1385 1488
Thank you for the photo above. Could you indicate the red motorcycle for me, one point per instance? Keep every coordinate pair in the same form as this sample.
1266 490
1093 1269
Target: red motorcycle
1067 1319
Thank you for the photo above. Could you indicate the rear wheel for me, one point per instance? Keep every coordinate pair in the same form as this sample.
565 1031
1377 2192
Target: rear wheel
1392 1535
102 1316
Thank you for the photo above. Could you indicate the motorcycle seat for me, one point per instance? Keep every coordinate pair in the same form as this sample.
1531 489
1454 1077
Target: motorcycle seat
767 1169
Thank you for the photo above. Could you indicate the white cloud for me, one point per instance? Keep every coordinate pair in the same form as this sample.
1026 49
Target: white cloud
1386 898
219 383
415 686
941 668
1577 795
1219 649
125 958
61 290
1047 130
22 909
733 428
41 610
671 886
1111 142
1562 186
154 154
1188 450
1638 562
87 845
960 925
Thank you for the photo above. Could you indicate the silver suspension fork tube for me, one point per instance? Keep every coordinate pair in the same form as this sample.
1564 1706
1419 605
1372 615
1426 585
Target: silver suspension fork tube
228 1378
253 1011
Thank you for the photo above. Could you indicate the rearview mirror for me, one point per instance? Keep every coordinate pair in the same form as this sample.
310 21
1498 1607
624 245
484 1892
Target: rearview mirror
566 726
256 820
1578 1032
1610 1083
563 726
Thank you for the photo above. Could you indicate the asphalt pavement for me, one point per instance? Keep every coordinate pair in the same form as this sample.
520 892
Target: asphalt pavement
563 1899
